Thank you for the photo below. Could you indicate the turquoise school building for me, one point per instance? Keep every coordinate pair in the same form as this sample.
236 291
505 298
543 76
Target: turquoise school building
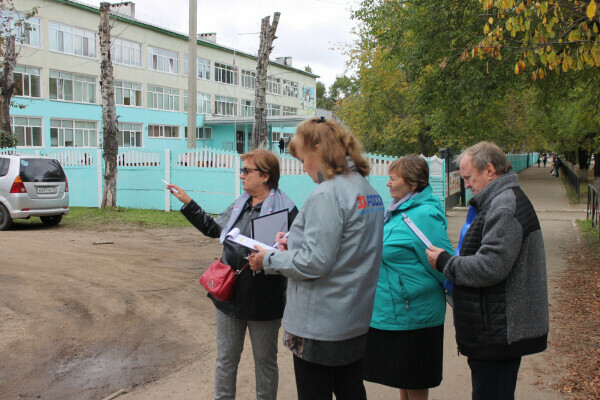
57 109
57 101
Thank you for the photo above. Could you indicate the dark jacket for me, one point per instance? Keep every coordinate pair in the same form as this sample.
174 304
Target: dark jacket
256 297
500 292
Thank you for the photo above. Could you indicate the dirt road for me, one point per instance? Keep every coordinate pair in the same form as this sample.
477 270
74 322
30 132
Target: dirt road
88 313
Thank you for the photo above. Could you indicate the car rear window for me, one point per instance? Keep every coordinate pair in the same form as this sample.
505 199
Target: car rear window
4 164
41 170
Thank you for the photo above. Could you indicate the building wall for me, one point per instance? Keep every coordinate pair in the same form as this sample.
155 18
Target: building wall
85 17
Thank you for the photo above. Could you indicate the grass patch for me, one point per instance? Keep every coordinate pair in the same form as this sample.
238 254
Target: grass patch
84 217
590 235
115 219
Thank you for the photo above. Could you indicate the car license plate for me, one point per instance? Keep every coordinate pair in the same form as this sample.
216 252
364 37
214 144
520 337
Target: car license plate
47 190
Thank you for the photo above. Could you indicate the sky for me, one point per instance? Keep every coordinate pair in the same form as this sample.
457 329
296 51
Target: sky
312 32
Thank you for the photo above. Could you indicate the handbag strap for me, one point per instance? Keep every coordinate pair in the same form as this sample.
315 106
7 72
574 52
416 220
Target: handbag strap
239 271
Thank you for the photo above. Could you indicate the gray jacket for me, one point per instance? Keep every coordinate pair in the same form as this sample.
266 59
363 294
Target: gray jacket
333 260
500 293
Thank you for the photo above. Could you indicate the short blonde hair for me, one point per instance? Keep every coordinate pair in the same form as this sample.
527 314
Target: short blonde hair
335 144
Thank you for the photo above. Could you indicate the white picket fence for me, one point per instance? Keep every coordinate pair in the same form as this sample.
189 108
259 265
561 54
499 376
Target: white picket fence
206 158
138 158
201 158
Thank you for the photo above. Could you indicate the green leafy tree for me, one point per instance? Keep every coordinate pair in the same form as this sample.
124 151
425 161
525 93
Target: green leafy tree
323 100
417 45
13 29
551 35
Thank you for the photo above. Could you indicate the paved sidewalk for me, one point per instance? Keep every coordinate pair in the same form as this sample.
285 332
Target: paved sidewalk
557 218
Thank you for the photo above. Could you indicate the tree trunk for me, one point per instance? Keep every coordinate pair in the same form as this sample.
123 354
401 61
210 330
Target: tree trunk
109 115
260 129
583 158
597 170
7 85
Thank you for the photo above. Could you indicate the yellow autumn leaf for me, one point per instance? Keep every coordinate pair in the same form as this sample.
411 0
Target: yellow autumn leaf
491 20
517 70
591 9
486 29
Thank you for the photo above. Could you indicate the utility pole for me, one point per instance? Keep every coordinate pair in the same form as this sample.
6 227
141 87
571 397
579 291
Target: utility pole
192 72
267 36
109 114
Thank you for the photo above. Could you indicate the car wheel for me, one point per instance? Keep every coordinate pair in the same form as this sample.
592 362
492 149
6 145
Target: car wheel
51 219
5 219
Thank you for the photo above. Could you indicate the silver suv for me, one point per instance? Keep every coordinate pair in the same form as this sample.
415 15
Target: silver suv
32 186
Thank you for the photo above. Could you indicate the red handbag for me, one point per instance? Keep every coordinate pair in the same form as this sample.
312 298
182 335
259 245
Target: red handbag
219 280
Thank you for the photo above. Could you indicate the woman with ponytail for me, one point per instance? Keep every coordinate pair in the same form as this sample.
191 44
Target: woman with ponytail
331 259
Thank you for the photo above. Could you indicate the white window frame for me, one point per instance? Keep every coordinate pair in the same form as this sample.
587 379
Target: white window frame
163 60
70 131
248 79
126 52
203 102
226 106
29 130
162 98
202 133
248 108
66 82
162 129
72 40
290 88
273 110
289 110
203 67
26 30
226 74
29 75
273 85
130 91
133 132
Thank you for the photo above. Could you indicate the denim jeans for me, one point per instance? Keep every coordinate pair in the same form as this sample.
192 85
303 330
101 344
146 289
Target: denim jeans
494 379
230 343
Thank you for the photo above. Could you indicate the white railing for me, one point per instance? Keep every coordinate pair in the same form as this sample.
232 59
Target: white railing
18 152
72 158
290 166
138 158
206 158
379 164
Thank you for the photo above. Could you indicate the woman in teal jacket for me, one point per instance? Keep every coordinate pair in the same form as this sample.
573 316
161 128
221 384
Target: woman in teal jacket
405 340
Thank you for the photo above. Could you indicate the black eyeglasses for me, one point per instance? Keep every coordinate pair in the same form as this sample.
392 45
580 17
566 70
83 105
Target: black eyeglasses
245 170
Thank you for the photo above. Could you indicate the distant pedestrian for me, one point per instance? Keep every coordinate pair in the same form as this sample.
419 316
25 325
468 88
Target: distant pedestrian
539 160
557 165
545 159
281 146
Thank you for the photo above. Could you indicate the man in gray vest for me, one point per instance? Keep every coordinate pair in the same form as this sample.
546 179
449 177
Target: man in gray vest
500 288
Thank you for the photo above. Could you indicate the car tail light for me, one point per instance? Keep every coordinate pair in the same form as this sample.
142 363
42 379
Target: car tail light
66 184
18 186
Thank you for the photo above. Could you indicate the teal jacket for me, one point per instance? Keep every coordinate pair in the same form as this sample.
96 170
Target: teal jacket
409 292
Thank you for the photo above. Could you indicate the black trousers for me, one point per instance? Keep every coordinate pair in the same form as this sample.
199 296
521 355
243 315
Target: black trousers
494 379
319 382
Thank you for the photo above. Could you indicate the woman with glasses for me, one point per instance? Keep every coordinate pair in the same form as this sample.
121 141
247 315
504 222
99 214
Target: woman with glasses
332 262
258 300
